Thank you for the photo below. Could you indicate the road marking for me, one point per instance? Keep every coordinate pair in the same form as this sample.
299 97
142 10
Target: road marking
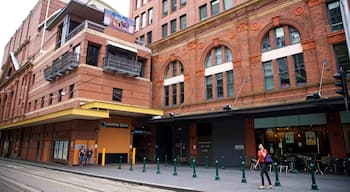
20 185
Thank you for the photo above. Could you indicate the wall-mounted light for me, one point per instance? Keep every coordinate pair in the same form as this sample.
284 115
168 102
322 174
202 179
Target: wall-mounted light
227 108
171 114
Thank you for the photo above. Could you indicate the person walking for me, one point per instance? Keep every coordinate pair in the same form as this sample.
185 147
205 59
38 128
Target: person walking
88 156
262 153
81 155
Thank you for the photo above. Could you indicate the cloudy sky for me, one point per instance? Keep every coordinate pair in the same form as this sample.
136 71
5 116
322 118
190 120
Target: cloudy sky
13 12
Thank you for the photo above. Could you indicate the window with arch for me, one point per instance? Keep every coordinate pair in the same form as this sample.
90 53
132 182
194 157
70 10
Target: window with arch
282 58
174 87
219 79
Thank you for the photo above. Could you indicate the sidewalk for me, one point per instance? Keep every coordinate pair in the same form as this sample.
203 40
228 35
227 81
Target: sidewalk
230 178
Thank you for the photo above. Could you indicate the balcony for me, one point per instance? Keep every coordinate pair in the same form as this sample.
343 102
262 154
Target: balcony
60 67
121 63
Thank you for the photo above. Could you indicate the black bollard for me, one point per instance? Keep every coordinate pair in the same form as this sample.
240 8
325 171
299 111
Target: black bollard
158 169
130 165
222 162
194 169
175 173
244 180
120 162
217 177
314 185
277 183
206 162
144 164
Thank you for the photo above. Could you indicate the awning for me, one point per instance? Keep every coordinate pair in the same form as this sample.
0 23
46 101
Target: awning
115 44
59 116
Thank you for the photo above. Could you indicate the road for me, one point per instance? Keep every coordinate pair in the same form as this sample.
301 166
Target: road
15 177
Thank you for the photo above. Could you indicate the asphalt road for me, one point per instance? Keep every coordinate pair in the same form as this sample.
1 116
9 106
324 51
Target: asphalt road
16 177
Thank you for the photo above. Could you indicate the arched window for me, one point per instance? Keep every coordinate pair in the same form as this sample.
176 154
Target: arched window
174 87
218 56
219 72
287 40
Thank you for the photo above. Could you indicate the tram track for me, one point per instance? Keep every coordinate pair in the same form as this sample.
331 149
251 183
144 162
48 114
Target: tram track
76 182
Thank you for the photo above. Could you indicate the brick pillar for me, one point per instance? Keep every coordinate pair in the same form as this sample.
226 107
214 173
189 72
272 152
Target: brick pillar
250 149
336 135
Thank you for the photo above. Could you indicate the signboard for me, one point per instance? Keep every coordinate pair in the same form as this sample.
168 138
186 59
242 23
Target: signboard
118 21
310 138
289 136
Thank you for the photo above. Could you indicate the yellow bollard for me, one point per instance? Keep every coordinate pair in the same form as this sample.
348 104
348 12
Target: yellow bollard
103 156
133 155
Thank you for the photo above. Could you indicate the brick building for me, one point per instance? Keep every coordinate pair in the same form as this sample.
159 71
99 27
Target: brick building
228 74
78 83
232 74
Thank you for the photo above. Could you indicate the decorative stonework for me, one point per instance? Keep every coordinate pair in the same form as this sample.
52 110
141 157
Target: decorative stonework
172 57
191 45
160 83
276 21
231 35
216 41
308 44
237 65
336 37
200 45
312 3
184 51
255 26
255 59
199 73
186 77
242 27
299 11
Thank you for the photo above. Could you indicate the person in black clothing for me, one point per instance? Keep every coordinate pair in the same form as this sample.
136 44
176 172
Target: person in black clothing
81 155
88 156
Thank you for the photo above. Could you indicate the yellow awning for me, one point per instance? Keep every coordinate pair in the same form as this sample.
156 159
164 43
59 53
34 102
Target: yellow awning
64 115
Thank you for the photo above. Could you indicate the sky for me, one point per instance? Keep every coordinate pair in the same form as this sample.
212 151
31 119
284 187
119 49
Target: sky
13 13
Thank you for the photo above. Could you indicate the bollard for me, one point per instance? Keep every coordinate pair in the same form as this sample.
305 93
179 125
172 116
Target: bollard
277 183
222 162
206 162
293 170
217 177
144 164
314 185
175 173
244 180
194 168
166 160
130 169
158 170
103 157
120 162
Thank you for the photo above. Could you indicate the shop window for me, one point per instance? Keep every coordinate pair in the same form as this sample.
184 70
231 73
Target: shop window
92 54
341 56
334 16
183 23
61 150
117 94
203 12
165 30
215 7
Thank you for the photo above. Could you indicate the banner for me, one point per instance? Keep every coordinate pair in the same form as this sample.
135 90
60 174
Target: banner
118 21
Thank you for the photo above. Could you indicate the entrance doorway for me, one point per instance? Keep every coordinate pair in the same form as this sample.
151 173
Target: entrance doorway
204 143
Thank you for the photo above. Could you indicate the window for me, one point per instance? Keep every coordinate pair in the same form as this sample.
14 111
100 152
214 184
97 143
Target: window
283 73
294 36
182 3
183 23
230 88
42 102
150 16
174 94
141 62
92 54
29 106
182 92
334 15
268 75
138 4
144 2
149 37
173 26
76 51
218 55
142 39
60 95
165 7
266 44
50 98
173 5
299 67
341 56
117 94
279 37
174 66
143 19
174 69
228 55
219 85
203 14
71 91
228 4
35 104
215 7
165 30
209 87
61 150
166 96
137 23
208 60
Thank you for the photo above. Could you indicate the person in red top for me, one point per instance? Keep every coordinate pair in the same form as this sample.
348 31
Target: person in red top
261 161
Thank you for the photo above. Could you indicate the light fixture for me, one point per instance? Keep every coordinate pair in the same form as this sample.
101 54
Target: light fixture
227 108
171 114
313 96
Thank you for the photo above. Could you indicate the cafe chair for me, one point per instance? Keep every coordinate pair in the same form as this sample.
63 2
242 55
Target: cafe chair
283 166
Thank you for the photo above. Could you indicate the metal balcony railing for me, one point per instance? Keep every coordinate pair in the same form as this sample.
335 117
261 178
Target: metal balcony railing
120 64
68 62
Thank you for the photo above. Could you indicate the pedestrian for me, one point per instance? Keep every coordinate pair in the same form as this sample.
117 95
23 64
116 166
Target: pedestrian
88 156
262 153
81 155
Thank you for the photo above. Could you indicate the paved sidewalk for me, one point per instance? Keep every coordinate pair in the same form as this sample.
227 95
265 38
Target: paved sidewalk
230 178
